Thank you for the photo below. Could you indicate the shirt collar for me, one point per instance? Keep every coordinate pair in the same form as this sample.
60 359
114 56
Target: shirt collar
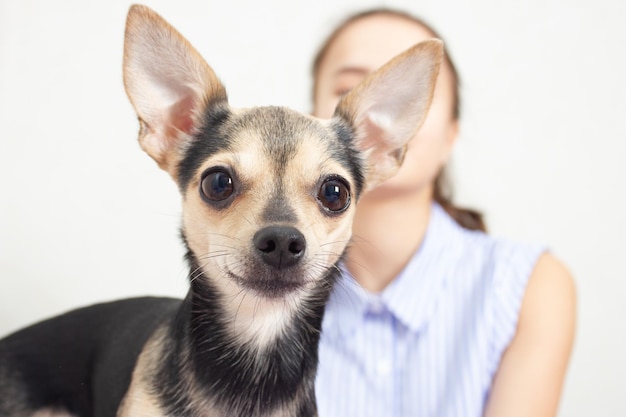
413 296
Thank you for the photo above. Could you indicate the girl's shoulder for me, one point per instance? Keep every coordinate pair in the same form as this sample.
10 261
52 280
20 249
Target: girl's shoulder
496 269
485 253
522 284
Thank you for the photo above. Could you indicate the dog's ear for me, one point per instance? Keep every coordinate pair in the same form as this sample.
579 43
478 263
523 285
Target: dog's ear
388 107
168 83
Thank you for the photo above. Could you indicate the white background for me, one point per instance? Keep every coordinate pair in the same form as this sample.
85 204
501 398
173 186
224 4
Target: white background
86 216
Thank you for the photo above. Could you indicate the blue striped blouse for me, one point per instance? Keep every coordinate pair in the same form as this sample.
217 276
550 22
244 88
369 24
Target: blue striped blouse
431 342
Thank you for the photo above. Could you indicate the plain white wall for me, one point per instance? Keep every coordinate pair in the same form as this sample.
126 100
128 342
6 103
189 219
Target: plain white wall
86 216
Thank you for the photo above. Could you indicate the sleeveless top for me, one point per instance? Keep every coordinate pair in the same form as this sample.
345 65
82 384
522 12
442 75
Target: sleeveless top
431 342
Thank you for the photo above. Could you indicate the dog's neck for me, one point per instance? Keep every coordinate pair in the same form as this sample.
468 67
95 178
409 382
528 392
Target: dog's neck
242 377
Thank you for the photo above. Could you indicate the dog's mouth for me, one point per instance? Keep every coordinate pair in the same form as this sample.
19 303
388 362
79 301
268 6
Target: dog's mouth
269 286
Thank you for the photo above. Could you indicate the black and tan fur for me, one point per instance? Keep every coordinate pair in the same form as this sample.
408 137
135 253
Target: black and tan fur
268 199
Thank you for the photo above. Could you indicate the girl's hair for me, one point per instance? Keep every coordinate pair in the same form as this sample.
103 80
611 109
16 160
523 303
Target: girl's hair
442 194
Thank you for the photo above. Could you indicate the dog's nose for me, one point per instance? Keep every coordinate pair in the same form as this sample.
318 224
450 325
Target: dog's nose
280 247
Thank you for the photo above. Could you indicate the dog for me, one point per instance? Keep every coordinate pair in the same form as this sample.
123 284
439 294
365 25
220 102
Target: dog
268 198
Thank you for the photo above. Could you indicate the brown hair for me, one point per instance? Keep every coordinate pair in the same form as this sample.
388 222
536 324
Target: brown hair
442 193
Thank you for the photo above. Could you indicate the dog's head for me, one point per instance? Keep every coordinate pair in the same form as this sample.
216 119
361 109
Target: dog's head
268 193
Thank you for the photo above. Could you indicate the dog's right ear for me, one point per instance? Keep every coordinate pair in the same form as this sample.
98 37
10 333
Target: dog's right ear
168 83
386 109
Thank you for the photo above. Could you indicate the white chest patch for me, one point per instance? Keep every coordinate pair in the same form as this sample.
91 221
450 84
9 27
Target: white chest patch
259 320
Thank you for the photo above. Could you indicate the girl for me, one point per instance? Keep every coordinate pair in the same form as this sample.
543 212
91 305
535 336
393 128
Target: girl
433 317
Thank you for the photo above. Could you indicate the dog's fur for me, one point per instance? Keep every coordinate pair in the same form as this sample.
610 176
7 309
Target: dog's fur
268 200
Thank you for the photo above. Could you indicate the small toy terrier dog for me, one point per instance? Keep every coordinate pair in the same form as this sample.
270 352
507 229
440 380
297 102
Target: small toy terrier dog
268 199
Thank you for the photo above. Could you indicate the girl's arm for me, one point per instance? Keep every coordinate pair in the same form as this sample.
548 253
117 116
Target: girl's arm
531 373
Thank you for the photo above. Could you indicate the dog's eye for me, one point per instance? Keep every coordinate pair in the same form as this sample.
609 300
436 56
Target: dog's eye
216 185
334 195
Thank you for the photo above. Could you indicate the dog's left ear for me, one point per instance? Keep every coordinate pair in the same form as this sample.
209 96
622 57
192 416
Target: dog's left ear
168 83
388 107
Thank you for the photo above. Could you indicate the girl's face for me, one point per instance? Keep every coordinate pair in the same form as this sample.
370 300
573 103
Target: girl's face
362 47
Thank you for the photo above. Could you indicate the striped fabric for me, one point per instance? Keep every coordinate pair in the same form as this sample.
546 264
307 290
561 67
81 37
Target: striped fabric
430 343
